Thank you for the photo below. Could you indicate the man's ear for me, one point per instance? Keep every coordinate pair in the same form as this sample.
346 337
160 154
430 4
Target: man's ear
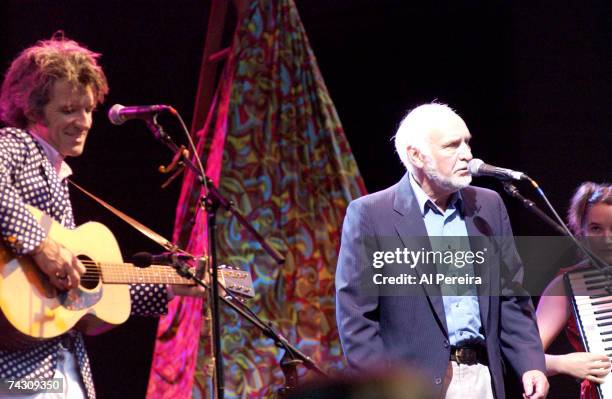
415 157
32 117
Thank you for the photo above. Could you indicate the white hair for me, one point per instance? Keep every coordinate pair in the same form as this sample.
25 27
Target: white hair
416 126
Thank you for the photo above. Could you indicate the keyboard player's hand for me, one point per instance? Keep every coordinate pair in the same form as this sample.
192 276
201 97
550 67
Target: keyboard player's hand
585 365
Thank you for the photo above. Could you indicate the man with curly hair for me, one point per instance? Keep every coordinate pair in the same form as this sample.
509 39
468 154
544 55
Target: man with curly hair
47 99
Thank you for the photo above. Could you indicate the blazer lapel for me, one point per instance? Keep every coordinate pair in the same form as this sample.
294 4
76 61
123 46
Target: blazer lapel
477 243
411 229
46 168
57 188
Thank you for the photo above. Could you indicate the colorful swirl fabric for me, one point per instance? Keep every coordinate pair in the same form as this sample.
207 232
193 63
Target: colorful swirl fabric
275 146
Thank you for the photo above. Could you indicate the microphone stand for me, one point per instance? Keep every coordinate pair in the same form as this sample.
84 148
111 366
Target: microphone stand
595 260
212 191
530 205
211 202
292 356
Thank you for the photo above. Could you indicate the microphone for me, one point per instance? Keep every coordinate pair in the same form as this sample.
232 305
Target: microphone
146 259
118 114
477 167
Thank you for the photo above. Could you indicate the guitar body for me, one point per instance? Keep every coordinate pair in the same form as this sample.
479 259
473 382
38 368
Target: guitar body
31 309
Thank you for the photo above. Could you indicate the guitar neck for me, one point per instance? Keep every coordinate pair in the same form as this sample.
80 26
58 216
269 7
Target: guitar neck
127 273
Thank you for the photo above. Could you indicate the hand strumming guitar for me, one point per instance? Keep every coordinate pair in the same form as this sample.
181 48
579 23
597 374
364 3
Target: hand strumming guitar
61 266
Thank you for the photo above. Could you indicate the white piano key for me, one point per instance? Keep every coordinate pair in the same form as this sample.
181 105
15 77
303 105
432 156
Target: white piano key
583 285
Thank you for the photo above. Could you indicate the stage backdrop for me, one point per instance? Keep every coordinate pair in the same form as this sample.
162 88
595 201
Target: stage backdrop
274 145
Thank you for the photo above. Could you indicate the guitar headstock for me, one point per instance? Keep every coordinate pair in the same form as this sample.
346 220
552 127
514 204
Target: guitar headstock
237 281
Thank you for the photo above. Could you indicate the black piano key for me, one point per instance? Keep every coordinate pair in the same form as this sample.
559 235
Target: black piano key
591 273
609 323
607 287
604 317
602 311
596 280
601 302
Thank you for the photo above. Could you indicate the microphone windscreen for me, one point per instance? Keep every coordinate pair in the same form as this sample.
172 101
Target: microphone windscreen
474 166
114 115
142 259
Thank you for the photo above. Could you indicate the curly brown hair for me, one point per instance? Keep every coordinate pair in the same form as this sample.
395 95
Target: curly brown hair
587 195
28 82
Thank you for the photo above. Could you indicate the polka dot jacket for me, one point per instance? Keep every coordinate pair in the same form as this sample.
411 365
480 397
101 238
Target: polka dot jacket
27 177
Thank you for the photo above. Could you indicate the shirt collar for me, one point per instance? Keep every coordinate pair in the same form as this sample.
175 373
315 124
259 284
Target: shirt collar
425 203
57 160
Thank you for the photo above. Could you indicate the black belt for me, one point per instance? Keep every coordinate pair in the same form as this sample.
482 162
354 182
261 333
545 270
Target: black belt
469 354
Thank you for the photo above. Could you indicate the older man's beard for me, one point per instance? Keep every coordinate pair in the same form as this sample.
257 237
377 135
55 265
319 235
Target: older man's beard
451 184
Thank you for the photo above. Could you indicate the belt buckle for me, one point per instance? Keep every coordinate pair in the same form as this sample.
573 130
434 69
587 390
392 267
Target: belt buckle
466 356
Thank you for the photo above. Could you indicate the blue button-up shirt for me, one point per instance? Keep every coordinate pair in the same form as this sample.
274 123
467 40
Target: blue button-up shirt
447 231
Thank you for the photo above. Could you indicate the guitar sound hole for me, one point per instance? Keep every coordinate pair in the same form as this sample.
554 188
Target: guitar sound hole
91 278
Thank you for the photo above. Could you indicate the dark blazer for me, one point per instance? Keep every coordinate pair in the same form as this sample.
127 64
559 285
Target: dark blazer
411 329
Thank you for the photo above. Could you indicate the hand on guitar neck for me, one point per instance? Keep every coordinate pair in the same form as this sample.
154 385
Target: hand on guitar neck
61 266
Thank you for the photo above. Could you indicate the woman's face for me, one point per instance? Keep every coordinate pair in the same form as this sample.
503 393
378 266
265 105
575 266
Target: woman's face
598 230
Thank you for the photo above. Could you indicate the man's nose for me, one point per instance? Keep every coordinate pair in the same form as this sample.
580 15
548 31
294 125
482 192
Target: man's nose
465 152
83 120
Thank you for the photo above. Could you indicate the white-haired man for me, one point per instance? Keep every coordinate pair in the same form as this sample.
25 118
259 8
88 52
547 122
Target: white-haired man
456 341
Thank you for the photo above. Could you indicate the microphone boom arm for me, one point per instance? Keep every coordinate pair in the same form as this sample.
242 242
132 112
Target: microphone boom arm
596 261
212 191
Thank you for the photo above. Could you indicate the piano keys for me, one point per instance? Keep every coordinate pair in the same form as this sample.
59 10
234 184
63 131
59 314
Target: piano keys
591 298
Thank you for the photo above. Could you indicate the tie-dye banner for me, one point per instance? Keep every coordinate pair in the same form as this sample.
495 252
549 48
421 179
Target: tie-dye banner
275 146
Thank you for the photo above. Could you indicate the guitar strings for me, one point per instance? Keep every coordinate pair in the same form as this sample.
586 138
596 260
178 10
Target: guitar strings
153 272
172 279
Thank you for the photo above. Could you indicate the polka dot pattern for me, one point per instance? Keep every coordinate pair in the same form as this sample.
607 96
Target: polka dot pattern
149 300
27 177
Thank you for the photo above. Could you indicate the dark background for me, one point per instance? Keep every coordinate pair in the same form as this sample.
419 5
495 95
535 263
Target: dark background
531 81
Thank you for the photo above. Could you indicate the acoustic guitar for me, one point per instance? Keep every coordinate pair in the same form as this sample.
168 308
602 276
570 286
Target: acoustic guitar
31 309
